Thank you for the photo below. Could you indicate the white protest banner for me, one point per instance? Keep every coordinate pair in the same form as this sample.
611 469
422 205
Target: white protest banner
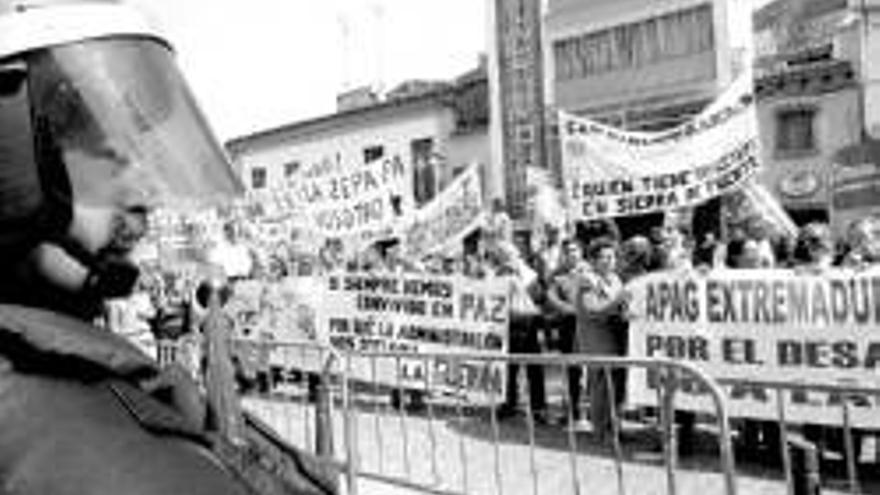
351 200
610 173
448 218
276 310
417 314
758 326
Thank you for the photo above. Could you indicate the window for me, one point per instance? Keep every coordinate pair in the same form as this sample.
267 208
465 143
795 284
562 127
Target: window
373 153
794 130
563 60
683 33
291 168
424 175
258 178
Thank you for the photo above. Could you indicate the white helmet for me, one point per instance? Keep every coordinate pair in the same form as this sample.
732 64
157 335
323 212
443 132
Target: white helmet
101 82
93 114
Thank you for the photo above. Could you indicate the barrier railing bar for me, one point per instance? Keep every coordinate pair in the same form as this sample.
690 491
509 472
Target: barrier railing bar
725 447
551 360
377 422
669 437
411 485
401 416
462 451
523 377
352 465
615 429
572 438
783 442
324 437
849 447
496 437
432 436
815 387
307 431
660 415
287 419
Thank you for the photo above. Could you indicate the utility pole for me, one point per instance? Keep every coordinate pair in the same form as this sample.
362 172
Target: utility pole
345 31
519 90
378 11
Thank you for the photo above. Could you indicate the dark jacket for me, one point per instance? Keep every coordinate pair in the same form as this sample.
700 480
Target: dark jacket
77 417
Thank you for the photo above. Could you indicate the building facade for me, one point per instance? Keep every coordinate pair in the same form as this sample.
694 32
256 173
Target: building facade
814 89
435 132
652 65
806 113
635 64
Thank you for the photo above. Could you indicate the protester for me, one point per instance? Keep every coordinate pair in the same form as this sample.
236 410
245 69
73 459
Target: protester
475 266
863 243
746 253
673 251
759 232
706 252
130 317
395 260
637 258
233 255
498 229
814 249
549 253
590 230
760 439
330 256
562 315
524 326
601 316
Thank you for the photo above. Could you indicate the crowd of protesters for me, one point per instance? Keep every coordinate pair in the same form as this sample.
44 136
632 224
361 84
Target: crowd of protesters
580 303
567 292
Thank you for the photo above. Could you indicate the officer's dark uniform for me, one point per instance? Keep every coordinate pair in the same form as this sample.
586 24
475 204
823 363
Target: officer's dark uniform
95 124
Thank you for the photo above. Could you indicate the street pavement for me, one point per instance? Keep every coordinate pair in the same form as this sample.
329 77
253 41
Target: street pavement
461 450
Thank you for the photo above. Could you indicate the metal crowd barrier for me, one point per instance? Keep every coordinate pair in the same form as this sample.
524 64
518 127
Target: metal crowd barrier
364 430
451 442
804 476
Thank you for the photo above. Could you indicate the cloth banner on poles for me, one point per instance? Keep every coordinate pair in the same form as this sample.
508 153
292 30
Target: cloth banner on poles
769 208
418 314
442 224
357 200
609 172
747 327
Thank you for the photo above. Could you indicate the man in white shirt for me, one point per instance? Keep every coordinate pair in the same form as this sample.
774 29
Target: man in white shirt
232 256
525 323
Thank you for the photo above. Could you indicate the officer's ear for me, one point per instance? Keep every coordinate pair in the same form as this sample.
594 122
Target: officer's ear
12 77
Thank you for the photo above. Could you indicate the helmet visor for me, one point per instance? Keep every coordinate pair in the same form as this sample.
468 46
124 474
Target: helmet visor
121 119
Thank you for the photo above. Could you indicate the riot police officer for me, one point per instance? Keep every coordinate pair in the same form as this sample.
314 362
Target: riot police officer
97 128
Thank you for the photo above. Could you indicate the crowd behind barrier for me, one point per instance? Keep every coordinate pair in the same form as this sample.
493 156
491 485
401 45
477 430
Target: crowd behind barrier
568 295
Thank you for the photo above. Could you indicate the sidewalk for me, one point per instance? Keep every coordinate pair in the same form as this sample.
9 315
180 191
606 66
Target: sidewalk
457 454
